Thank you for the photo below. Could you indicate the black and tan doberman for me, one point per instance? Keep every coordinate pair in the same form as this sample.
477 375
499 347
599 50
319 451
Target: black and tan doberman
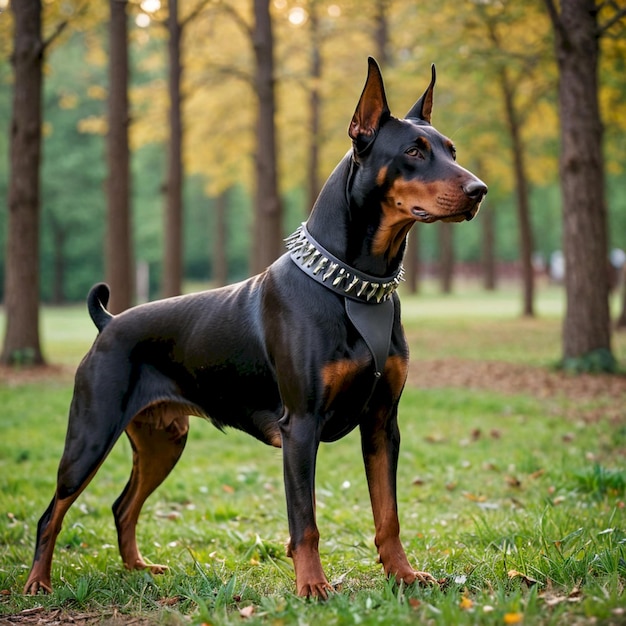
303 353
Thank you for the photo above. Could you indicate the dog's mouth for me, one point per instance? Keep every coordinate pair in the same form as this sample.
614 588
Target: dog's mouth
426 217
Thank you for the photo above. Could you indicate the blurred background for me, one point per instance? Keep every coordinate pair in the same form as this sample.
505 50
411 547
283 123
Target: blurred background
181 140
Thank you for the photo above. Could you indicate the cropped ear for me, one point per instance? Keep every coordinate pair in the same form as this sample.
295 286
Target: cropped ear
371 110
423 108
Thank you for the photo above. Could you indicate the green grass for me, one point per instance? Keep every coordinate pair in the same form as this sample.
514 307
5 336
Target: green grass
518 502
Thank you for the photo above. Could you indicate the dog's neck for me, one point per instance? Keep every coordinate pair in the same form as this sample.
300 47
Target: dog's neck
344 224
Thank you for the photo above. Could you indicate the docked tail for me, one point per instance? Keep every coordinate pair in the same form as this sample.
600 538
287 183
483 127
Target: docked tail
97 300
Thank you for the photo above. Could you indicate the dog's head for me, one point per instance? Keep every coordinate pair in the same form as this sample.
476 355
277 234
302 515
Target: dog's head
411 165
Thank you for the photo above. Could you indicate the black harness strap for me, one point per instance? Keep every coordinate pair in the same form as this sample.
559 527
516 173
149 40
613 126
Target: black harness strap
374 323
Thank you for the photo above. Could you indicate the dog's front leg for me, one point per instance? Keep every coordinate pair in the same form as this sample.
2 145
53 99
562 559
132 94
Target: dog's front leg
300 442
380 441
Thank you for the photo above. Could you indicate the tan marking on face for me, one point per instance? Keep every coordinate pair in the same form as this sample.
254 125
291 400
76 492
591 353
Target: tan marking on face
441 200
338 376
396 218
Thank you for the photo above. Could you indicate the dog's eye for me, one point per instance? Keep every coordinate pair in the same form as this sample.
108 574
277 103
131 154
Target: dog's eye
453 152
414 152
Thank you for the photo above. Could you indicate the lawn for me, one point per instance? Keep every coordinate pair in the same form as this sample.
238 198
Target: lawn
512 493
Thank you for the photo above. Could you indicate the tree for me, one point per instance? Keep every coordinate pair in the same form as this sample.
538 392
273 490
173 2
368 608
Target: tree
174 208
220 258
315 71
586 326
621 319
446 256
488 247
268 244
173 257
21 341
119 257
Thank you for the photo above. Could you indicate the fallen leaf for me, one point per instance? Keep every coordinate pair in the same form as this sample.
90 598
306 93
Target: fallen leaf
465 604
228 489
513 573
247 611
170 601
414 603
435 438
513 618
512 481
473 497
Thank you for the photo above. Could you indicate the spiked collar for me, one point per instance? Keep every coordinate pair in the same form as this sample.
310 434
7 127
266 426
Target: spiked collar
315 261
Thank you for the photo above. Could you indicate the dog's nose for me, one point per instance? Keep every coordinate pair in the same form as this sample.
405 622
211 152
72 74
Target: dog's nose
475 189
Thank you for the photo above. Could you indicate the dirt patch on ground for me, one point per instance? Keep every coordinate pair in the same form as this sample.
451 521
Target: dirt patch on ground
14 376
499 376
509 378
39 615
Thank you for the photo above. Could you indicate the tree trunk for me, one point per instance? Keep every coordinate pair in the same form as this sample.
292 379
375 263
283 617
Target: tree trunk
621 320
119 263
220 259
314 108
268 244
173 260
488 219
521 186
586 327
381 32
21 341
58 247
446 256
412 261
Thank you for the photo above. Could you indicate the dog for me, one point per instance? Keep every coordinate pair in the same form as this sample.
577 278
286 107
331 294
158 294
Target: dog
300 354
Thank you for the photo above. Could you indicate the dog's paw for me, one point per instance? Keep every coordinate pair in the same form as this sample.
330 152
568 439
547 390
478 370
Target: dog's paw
157 569
318 590
33 587
420 578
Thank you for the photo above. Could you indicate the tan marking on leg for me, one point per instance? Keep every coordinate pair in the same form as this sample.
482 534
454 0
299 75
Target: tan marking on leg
156 450
310 578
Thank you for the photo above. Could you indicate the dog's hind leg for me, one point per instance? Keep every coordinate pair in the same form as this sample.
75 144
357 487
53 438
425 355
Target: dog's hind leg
156 450
86 447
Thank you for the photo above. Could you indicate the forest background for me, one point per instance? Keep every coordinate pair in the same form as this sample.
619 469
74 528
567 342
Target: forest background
496 98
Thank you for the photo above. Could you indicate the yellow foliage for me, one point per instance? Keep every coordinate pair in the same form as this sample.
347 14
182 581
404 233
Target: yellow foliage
97 92
93 125
68 101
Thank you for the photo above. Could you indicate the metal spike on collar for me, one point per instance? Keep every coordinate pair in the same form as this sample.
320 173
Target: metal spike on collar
340 276
363 287
352 284
330 271
383 292
373 290
320 266
310 260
